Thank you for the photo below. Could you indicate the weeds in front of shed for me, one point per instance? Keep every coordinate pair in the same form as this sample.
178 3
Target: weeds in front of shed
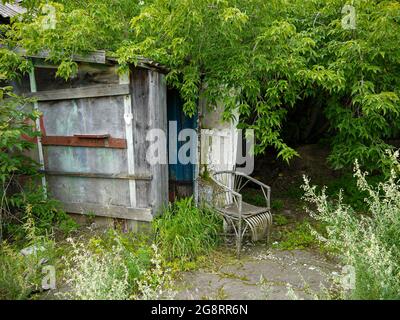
21 274
116 266
46 212
185 232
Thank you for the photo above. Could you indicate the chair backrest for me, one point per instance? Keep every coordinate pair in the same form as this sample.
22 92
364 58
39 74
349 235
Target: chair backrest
224 188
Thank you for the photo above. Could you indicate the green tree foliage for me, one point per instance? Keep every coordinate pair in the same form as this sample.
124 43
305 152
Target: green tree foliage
263 58
14 124
17 130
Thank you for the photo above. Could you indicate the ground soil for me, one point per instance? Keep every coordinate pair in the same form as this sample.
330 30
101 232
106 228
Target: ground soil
262 274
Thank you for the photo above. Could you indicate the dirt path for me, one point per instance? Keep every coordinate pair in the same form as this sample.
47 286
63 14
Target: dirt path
261 274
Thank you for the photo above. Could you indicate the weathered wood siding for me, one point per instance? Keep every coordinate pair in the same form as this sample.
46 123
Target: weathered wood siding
89 177
149 112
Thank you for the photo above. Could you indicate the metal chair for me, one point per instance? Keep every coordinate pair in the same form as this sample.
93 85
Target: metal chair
227 200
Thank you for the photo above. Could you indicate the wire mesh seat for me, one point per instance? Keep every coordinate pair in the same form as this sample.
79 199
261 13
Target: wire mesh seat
239 215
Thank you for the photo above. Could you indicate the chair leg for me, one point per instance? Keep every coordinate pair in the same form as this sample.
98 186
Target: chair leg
239 239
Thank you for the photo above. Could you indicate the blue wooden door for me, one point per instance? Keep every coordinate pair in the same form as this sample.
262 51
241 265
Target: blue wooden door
181 176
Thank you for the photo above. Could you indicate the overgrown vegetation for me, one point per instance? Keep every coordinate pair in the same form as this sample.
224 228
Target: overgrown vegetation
112 265
185 232
369 242
129 266
291 234
266 59
128 269
21 273
19 174
270 59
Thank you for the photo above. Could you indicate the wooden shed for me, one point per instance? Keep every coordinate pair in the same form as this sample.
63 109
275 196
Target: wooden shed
93 145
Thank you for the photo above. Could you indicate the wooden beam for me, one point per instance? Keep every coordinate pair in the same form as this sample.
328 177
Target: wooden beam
124 79
111 211
98 175
82 92
38 124
98 56
113 143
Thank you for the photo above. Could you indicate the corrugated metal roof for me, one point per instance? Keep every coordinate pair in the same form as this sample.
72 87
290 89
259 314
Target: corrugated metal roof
9 10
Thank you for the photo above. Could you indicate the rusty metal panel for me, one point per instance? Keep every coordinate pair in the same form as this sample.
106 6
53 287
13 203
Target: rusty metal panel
89 142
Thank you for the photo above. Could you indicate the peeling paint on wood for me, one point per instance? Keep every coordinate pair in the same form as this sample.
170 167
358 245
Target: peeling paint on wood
94 140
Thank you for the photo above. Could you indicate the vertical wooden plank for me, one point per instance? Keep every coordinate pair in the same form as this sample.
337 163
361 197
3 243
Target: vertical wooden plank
140 110
162 106
39 140
158 120
128 117
156 183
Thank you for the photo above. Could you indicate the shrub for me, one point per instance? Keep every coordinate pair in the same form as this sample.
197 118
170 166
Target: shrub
18 274
95 276
21 275
154 283
186 232
352 195
134 249
369 242
115 266
17 129
46 212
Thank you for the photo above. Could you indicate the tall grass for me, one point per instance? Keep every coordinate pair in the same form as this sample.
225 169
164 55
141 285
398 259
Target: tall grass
185 231
369 242
21 275
115 266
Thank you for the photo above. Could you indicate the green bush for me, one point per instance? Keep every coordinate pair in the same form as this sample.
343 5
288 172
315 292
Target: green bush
186 232
350 192
368 242
115 266
18 274
21 275
46 212
134 249
16 130
95 276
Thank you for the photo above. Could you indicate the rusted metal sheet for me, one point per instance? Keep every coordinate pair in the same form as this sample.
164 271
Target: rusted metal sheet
76 141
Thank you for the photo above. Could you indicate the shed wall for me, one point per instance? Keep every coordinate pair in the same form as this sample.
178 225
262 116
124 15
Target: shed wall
85 144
